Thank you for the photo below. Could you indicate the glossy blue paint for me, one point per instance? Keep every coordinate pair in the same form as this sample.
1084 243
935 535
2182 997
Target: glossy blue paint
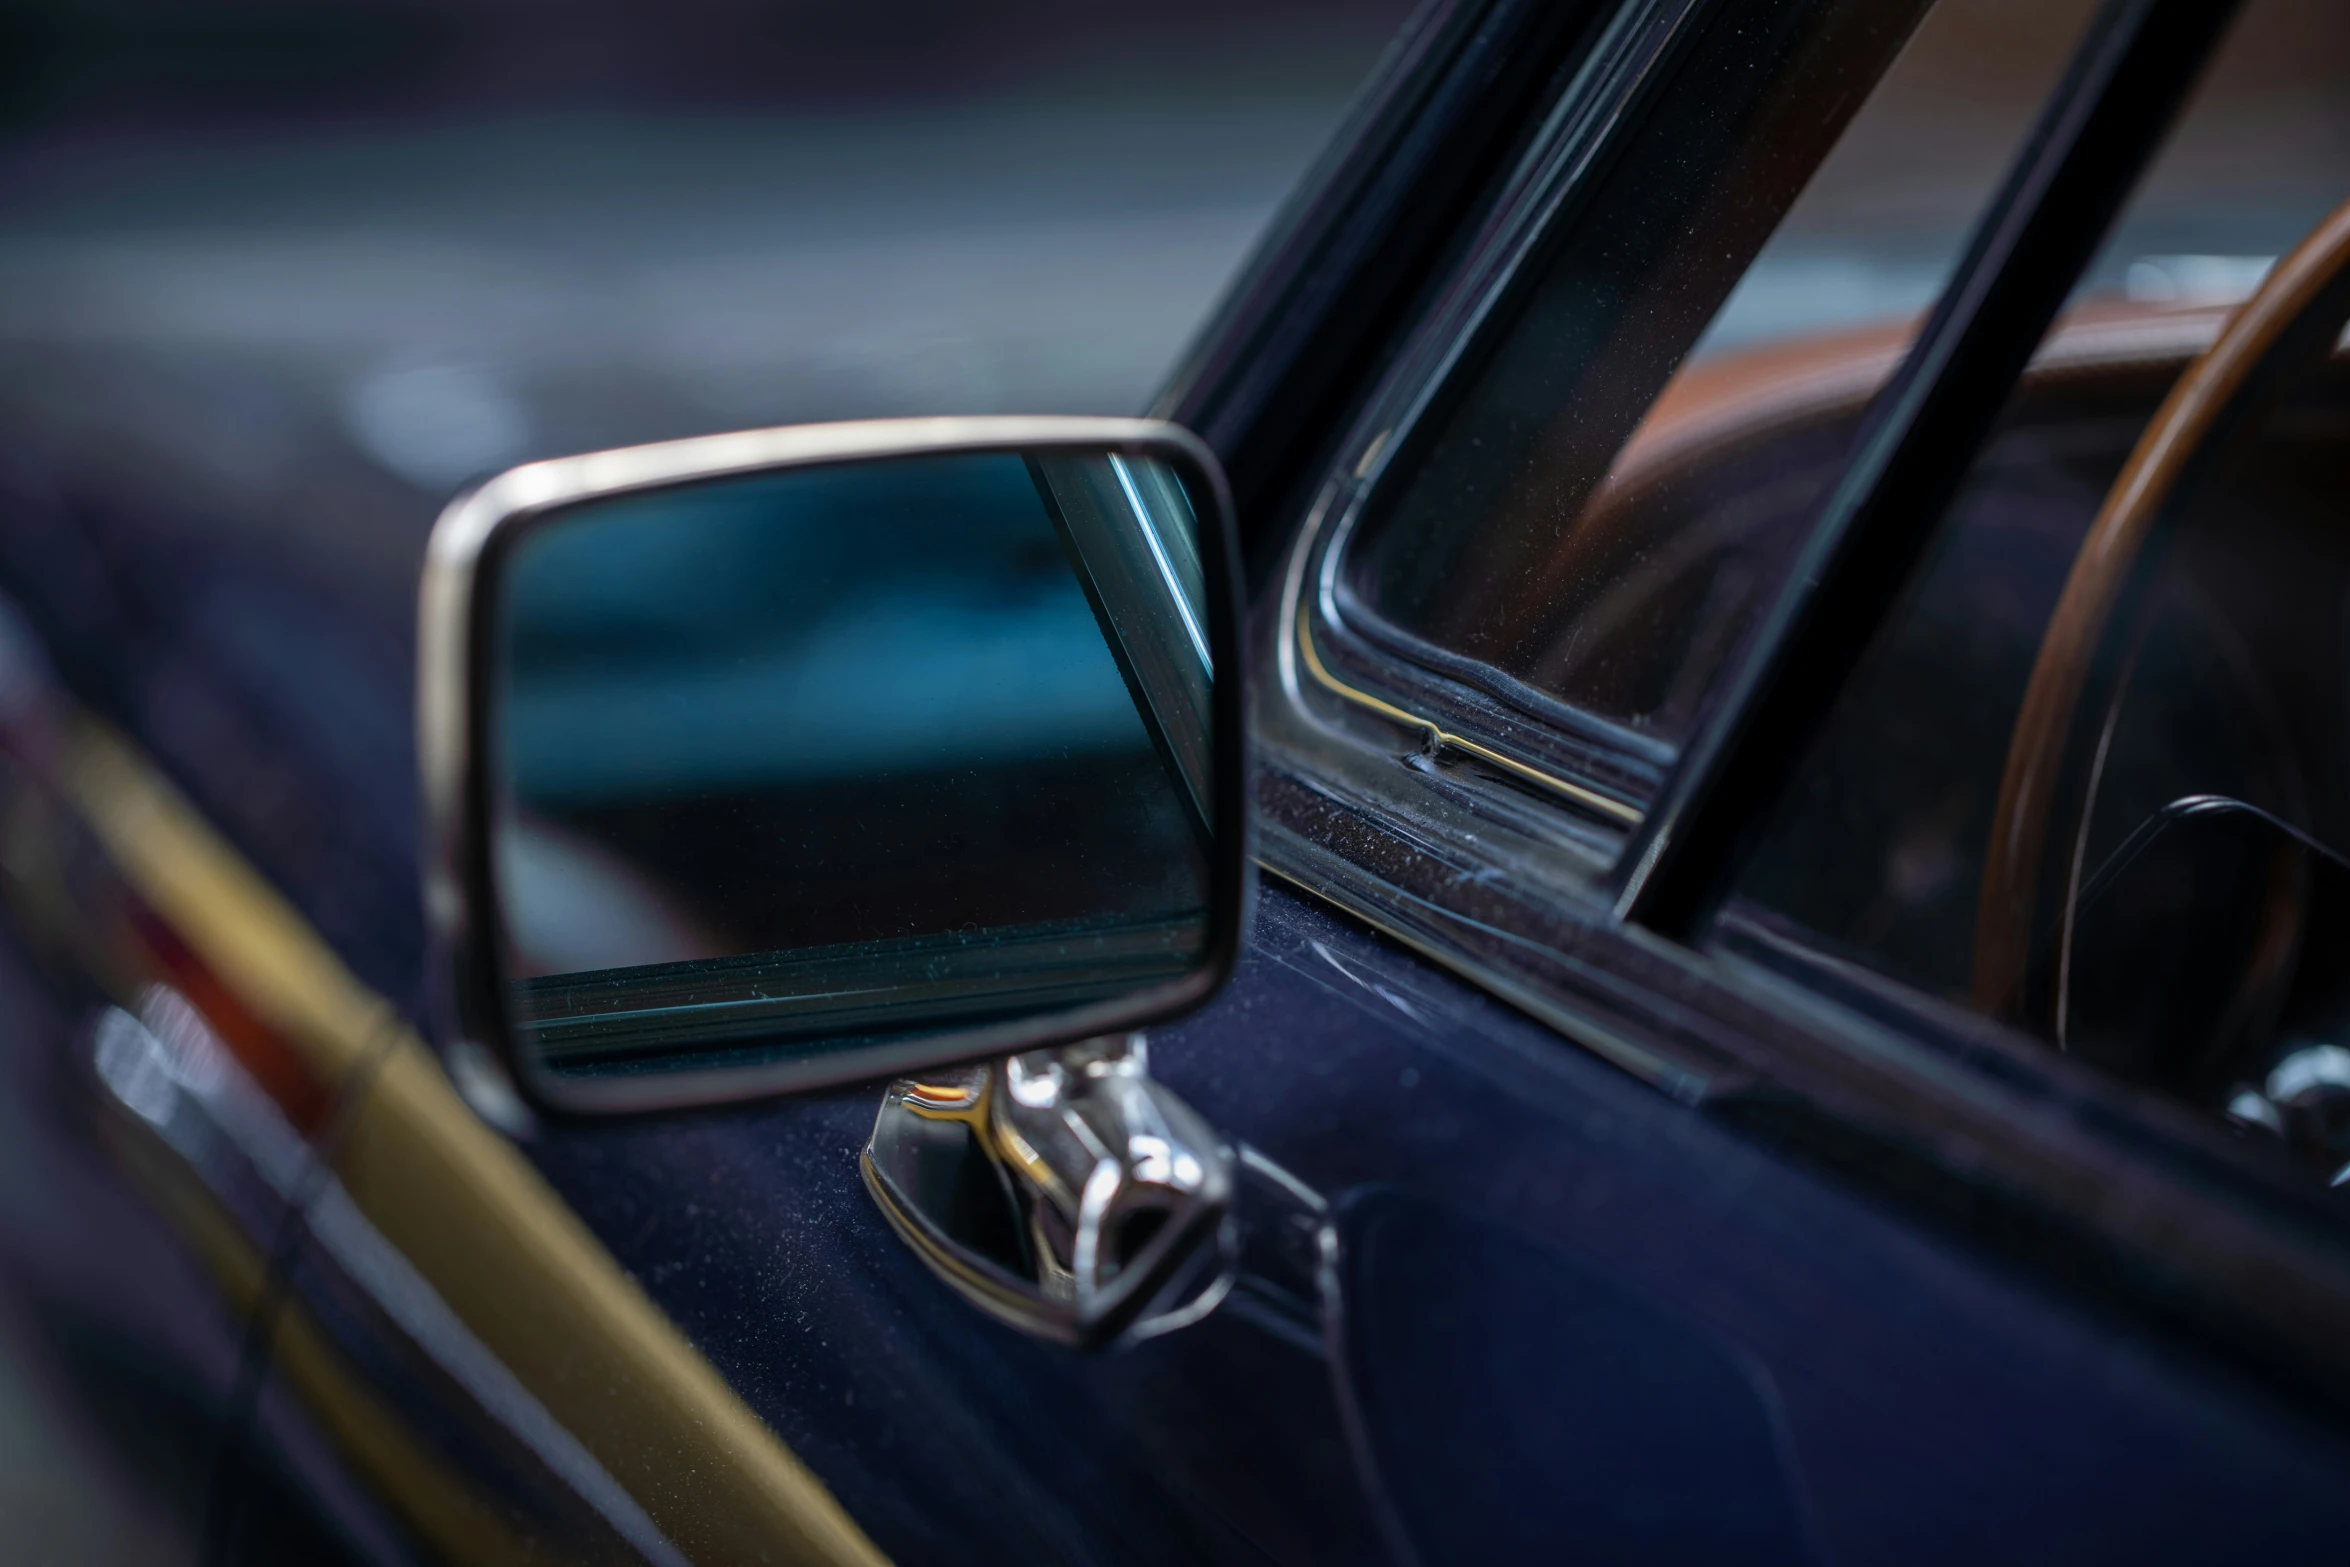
1934 1408
127 1349
134 1370
1511 1398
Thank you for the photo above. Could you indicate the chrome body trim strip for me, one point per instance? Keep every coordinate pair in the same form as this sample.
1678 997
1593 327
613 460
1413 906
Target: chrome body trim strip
166 1069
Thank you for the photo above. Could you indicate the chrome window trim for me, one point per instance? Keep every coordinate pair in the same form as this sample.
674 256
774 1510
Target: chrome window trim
1369 796
471 537
1597 769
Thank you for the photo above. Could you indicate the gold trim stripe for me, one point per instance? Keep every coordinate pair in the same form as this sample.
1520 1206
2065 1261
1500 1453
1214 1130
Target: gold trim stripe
1589 799
465 1208
244 933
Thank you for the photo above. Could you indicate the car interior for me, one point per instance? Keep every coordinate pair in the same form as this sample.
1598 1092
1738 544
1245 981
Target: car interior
2102 736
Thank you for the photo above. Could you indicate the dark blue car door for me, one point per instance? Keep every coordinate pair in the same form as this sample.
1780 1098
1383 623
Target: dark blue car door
1698 1260
1615 1184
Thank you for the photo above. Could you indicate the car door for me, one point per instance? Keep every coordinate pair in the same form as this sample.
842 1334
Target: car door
1545 632
1566 1232
1712 1255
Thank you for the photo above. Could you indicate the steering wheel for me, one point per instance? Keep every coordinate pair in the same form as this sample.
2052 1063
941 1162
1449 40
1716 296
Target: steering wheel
2292 320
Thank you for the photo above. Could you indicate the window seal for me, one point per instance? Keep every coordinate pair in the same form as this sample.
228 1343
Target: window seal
1603 771
1438 739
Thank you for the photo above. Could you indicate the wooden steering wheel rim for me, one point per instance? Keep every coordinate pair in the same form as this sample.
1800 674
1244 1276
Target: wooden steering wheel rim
2303 282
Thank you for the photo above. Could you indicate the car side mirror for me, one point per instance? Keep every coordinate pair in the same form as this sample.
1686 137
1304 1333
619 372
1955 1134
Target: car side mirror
764 761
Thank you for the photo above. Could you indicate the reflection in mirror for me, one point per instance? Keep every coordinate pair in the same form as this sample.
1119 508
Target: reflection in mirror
791 762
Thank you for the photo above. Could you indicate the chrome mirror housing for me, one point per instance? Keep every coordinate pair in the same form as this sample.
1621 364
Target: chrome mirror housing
764 761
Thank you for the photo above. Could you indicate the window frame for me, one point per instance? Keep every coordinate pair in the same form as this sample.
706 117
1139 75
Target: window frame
1603 773
1410 819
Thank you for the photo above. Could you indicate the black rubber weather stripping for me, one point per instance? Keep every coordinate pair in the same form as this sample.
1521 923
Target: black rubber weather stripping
2100 129
1300 338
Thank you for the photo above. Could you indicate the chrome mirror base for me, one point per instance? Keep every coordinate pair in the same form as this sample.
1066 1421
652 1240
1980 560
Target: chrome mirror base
1062 1191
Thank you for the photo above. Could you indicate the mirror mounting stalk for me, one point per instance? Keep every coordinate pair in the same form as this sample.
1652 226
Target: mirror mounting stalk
1063 1191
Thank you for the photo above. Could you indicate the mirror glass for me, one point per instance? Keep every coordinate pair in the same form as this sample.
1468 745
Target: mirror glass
790 762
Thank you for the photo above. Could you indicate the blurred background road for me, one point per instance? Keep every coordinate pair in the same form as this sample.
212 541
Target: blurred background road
289 258
285 275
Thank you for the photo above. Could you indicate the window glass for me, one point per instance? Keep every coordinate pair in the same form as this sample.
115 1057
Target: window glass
1589 517
2169 899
